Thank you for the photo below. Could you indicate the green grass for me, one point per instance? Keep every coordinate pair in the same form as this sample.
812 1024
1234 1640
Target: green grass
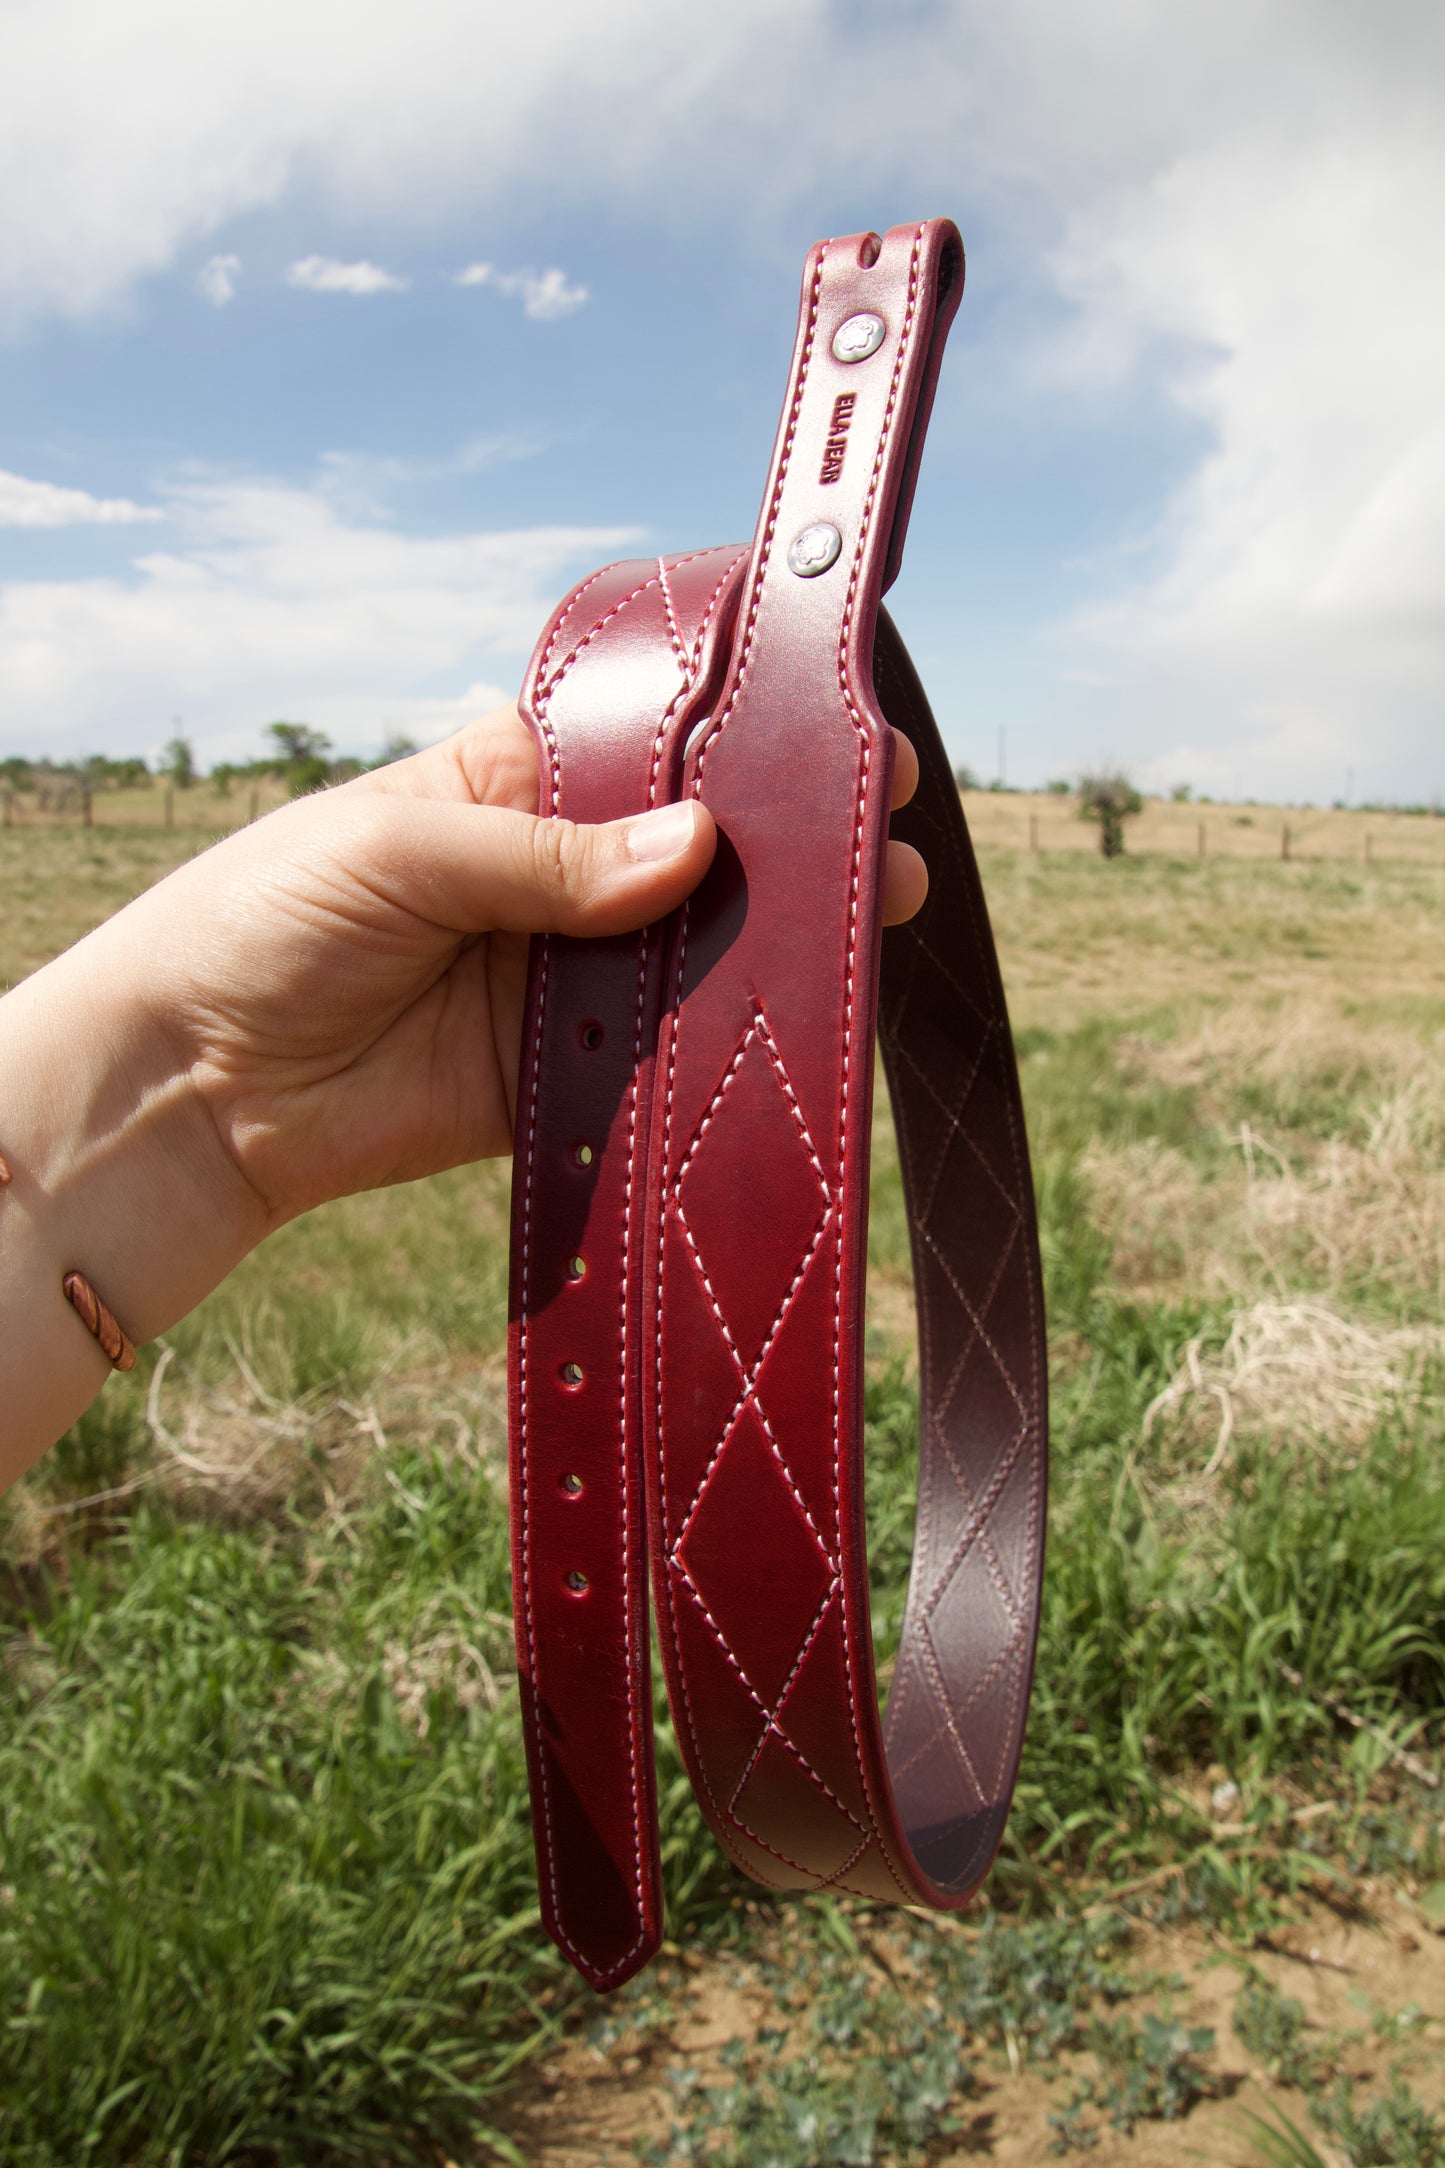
246 1905
266 1887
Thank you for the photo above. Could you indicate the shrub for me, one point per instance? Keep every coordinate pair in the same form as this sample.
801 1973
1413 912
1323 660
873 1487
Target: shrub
1109 798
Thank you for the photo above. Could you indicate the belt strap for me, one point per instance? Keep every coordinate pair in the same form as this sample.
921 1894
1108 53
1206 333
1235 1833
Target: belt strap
690 1204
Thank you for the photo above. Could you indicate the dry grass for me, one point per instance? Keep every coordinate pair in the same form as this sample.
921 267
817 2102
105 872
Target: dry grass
200 809
1082 940
451 1661
1047 821
329 1425
1337 1186
238 1452
1296 1372
59 879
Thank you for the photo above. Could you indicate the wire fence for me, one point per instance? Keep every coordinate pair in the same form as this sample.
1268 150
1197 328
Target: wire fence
998 820
1045 822
200 809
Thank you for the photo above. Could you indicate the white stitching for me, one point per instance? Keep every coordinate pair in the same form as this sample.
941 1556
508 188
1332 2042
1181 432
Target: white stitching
913 1663
748 1395
758 1029
763 555
771 1727
976 1320
541 704
859 820
560 619
765 542
672 632
524 1461
713 599
546 690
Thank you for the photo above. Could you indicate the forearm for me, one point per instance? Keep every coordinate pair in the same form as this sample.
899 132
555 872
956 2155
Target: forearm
115 1172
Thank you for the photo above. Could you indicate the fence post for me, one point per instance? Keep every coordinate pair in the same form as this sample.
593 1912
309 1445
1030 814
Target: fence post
1284 841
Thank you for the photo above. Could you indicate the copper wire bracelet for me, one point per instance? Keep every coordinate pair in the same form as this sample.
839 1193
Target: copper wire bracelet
100 1321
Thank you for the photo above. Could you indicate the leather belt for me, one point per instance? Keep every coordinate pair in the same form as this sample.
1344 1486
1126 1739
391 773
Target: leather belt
690 1203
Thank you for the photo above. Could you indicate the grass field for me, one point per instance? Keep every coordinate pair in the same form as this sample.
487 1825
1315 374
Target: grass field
266 1892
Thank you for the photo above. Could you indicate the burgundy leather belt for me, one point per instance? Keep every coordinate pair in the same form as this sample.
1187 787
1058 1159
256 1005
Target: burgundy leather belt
691 1194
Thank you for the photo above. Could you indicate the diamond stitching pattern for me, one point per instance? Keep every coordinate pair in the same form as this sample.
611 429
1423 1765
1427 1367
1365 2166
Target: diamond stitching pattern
956 1077
948 1086
688 590
758 1035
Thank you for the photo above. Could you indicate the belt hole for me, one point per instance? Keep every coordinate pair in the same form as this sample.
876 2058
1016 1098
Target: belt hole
576 1268
582 1154
576 1581
591 1036
572 1485
571 1374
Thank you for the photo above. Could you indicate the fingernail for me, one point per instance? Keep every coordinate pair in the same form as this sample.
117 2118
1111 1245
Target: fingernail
665 833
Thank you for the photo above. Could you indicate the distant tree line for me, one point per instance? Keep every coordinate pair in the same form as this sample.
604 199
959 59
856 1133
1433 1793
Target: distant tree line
298 756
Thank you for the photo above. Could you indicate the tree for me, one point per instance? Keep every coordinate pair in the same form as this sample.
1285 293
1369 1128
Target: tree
1110 799
301 755
396 748
297 741
179 762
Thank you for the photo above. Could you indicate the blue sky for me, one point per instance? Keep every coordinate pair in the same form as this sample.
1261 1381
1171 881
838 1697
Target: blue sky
261 455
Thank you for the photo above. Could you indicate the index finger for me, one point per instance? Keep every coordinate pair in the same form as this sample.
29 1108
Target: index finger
905 770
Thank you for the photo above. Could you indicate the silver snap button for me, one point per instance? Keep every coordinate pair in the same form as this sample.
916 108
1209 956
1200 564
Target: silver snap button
859 337
813 549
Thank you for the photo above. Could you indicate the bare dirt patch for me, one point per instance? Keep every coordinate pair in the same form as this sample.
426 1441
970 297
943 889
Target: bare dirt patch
1353 1967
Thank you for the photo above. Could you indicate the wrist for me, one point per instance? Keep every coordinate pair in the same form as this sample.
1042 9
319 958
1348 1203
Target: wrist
117 1172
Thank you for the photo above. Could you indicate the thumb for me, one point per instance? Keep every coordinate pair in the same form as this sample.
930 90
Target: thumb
477 869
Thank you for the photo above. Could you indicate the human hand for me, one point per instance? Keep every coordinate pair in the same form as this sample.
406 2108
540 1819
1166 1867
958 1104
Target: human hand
352 1016
327 1001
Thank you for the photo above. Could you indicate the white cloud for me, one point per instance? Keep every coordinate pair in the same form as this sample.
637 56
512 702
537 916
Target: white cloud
324 275
273 601
1235 204
24 503
1284 296
217 279
366 486
546 295
111 165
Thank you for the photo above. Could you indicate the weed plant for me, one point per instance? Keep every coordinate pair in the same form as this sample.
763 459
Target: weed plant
1153 2071
876 2064
1396 2131
1271 2026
